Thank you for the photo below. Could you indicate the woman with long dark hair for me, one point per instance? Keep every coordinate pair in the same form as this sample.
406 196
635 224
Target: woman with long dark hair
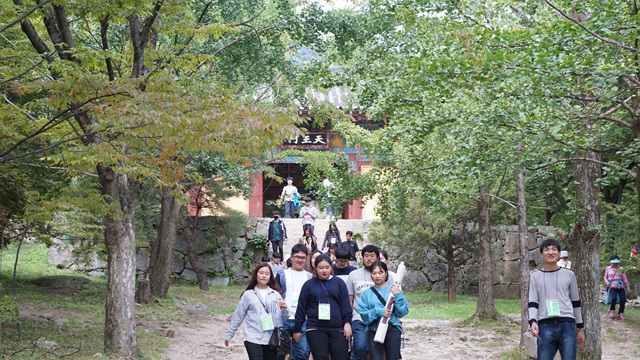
310 265
262 309
372 308
332 236
324 303
309 239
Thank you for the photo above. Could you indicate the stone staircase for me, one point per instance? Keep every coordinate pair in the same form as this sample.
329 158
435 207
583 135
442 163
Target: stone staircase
294 231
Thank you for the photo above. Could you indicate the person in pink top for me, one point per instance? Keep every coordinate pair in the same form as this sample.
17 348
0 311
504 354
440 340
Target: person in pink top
616 280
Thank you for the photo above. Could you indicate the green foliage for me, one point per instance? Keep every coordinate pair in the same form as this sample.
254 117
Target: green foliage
247 263
259 241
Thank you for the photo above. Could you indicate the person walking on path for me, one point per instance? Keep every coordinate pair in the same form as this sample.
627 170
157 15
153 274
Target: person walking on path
308 214
555 312
277 233
324 303
616 279
372 308
288 194
341 268
296 277
357 282
262 309
332 236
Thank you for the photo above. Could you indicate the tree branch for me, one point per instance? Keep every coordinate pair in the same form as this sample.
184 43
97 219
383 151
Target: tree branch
603 39
25 15
627 171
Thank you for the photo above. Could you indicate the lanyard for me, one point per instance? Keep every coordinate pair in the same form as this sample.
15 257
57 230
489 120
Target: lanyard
326 293
544 283
261 302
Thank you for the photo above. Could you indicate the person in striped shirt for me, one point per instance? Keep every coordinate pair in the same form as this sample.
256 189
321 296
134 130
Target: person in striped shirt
555 313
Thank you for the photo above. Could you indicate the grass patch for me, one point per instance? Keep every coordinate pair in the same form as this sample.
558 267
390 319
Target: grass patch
432 305
73 316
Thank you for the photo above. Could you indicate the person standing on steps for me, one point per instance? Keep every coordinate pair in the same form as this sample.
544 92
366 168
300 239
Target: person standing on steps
288 194
353 247
616 280
332 236
308 214
555 312
277 233
262 309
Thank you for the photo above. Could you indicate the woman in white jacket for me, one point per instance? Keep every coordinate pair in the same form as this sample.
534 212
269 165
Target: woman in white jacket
262 309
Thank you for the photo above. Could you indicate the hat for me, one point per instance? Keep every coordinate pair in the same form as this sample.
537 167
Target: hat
564 254
615 261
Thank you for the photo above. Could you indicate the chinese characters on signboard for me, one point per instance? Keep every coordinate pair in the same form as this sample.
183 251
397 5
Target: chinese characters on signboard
311 141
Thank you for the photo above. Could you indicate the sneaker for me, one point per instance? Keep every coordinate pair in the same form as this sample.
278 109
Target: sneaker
612 314
621 317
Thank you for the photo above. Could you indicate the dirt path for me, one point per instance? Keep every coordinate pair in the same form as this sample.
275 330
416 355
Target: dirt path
425 339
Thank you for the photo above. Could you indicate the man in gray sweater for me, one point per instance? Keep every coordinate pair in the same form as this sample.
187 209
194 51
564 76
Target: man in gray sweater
554 307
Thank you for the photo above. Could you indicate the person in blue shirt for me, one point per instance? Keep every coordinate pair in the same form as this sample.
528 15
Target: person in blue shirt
372 308
324 303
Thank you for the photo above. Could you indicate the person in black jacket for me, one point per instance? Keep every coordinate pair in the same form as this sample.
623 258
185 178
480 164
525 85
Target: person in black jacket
324 303
277 233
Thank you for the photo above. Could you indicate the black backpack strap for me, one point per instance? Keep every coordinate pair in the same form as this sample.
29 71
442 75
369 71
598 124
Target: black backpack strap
384 303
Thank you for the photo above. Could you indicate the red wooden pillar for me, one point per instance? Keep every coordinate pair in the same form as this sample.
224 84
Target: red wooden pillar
353 211
256 203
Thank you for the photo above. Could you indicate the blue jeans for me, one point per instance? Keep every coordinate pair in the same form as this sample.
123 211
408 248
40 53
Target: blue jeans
390 349
289 209
300 349
557 335
360 341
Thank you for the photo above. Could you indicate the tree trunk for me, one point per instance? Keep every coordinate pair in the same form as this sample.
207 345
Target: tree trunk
524 254
143 295
486 307
163 249
584 244
119 322
190 240
451 272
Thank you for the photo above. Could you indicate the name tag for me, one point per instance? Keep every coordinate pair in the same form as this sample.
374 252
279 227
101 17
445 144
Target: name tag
333 239
267 322
324 311
553 307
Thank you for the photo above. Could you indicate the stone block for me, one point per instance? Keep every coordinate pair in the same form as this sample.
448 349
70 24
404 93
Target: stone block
512 244
189 275
61 254
178 263
496 251
414 281
535 255
546 230
512 228
142 258
92 263
240 272
506 272
532 242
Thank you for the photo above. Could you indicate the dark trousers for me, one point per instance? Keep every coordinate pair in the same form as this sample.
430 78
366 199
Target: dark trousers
614 299
260 352
390 349
289 209
277 247
325 343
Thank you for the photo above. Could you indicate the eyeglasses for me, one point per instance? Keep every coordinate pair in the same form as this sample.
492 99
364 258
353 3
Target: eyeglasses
301 258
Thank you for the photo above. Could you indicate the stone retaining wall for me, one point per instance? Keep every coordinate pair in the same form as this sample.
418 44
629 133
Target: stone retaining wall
232 256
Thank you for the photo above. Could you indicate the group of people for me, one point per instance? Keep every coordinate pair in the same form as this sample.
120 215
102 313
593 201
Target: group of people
555 310
330 308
